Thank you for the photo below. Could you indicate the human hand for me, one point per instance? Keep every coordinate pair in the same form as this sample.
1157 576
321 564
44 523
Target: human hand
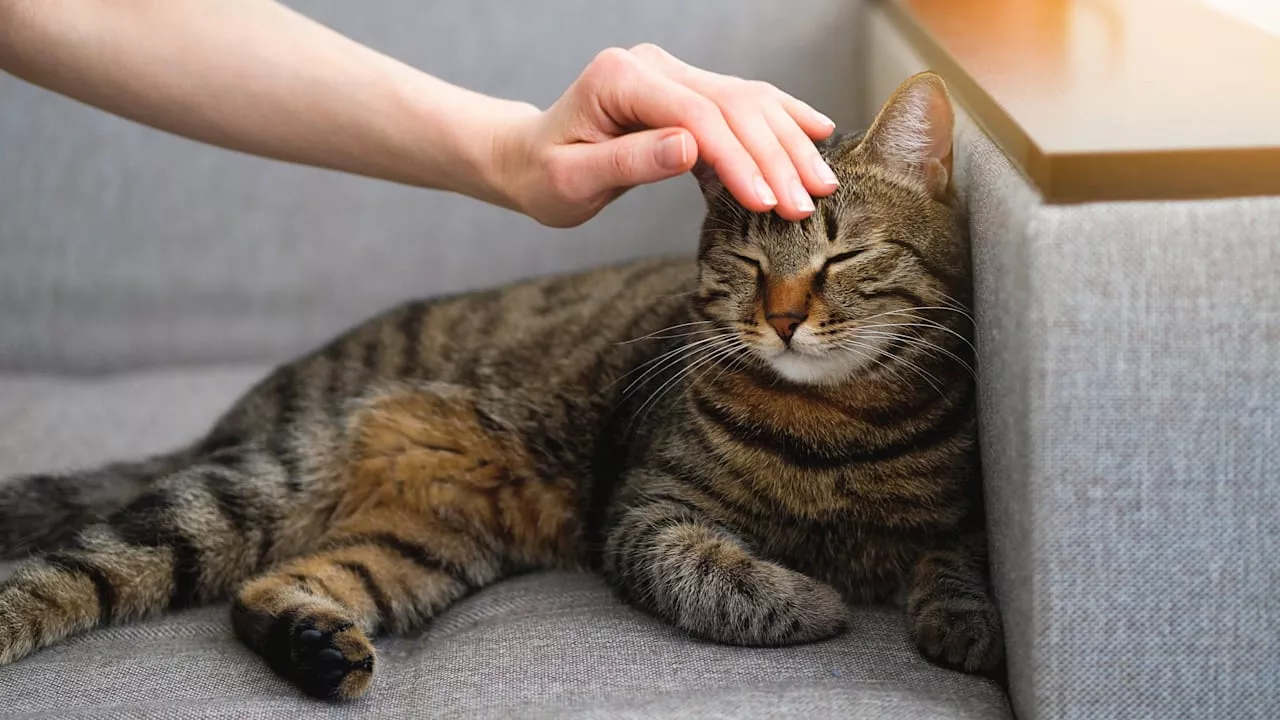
639 116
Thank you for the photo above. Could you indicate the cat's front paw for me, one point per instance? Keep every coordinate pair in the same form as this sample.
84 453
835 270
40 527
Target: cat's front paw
962 634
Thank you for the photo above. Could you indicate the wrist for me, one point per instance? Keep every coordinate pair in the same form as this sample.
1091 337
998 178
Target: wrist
462 141
506 167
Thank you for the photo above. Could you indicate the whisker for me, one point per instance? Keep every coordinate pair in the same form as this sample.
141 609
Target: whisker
956 304
677 348
875 358
684 372
733 352
910 310
665 329
918 322
686 293
922 343
742 353
926 324
670 336
927 377
683 347
690 349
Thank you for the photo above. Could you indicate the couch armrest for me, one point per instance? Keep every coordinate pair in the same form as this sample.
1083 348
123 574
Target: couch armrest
1129 363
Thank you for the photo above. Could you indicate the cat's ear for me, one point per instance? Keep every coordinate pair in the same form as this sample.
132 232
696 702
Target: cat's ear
913 133
708 181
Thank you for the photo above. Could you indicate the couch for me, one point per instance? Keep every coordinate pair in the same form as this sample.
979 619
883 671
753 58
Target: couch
1127 392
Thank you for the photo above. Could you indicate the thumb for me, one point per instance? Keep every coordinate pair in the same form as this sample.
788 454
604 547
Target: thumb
636 158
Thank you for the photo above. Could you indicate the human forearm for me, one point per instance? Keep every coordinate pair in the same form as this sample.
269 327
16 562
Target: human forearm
254 76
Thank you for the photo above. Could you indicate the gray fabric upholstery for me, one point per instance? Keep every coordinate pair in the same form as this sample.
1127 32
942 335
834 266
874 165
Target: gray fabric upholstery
1152 452
166 263
540 646
1129 395
121 246
1130 413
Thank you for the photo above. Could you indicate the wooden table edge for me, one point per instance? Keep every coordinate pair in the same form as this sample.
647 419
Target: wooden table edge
1064 178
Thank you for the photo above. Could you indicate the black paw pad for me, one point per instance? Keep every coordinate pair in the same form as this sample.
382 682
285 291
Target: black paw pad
323 660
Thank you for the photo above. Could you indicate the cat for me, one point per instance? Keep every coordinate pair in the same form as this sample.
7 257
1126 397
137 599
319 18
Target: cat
742 444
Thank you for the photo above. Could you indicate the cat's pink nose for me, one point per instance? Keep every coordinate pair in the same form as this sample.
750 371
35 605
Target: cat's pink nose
785 324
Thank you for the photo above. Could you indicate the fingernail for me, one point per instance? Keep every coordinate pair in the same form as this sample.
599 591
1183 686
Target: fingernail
800 197
764 193
824 119
673 153
824 172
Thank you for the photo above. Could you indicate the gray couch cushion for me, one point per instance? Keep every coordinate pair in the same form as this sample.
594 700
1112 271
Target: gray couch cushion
544 645
122 246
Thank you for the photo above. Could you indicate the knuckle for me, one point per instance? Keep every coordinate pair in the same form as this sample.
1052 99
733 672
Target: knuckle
700 109
778 164
740 107
647 50
609 68
611 60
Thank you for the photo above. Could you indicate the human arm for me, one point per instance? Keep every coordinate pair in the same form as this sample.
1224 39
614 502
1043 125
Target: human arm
255 76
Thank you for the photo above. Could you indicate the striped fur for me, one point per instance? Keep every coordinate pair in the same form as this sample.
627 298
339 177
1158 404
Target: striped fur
647 420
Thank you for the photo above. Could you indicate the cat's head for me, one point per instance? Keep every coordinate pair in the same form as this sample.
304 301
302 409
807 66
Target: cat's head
817 300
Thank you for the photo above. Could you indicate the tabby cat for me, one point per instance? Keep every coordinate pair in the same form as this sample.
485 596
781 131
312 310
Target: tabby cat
741 445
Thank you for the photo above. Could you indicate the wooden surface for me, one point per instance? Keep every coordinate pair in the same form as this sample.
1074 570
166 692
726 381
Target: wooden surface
1113 99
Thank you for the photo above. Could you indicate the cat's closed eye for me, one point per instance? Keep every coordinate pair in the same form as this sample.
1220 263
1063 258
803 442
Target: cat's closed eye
751 262
841 257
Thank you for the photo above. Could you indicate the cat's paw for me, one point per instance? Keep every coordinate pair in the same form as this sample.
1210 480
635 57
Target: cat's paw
961 634
328 657
714 588
813 609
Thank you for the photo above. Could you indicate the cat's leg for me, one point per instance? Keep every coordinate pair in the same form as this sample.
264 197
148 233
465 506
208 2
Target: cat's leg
192 537
439 502
668 558
950 611
384 572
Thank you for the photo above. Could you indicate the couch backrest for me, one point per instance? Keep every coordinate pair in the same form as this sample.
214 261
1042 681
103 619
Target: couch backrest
123 247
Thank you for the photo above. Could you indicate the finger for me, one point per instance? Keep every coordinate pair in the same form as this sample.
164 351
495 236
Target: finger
794 201
634 159
631 94
816 175
672 67
814 124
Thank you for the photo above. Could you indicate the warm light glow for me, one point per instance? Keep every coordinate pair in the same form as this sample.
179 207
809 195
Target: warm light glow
1263 13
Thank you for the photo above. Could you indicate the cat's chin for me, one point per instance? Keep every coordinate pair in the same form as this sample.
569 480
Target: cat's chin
804 369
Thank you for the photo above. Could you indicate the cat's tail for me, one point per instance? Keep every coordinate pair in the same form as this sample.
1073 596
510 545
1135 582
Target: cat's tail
45 511
191 536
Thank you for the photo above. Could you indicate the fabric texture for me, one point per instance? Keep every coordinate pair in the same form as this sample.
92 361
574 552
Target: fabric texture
121 246
1130 412
552 645
1154 457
